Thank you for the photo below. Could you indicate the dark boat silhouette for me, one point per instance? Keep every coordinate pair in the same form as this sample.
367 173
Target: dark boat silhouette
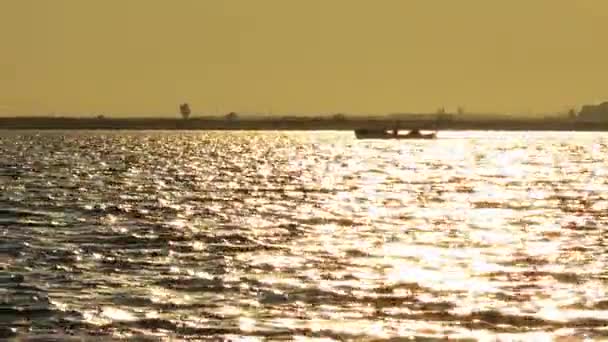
384 134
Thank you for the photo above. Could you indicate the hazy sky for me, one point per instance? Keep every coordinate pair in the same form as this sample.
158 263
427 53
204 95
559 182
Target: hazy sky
307 56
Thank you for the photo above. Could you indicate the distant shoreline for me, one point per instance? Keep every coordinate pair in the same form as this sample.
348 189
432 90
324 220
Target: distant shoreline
301 124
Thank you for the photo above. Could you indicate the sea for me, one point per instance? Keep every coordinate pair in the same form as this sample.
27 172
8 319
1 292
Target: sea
312 236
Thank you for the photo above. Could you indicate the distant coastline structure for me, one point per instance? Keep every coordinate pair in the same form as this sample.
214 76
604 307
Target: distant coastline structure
339 117
184 110
594 112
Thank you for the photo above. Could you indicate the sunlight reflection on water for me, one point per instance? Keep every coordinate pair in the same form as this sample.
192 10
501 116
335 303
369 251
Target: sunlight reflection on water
291 235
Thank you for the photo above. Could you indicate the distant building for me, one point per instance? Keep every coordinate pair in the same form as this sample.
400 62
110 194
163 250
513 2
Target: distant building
594 112
292 118
445 117
410 116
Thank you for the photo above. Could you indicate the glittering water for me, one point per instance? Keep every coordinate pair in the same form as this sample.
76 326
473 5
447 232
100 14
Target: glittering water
311 235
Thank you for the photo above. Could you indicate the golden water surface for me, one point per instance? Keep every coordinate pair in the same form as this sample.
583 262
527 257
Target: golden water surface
298 235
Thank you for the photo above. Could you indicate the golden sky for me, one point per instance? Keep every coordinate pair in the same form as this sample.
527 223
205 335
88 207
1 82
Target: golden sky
307 56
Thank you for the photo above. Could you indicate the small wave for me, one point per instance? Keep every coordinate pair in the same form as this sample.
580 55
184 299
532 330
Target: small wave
188 233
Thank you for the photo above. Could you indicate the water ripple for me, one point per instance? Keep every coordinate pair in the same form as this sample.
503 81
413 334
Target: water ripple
475 236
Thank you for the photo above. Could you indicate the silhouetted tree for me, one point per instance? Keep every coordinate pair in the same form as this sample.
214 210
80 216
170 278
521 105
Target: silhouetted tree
184 109
443 116
232 116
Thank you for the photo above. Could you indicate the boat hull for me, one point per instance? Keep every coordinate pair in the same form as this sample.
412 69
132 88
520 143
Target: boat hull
396 137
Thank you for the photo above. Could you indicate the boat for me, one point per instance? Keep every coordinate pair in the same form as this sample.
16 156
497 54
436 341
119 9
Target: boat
384 134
